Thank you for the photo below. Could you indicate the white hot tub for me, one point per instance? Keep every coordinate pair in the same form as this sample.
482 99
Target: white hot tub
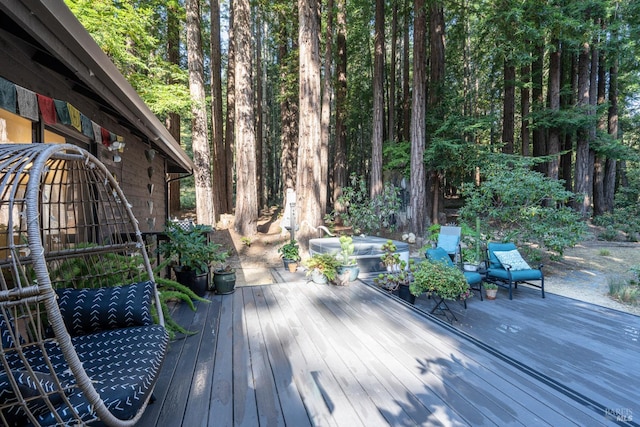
367 250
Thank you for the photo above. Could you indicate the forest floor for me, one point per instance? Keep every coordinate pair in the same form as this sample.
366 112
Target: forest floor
584 273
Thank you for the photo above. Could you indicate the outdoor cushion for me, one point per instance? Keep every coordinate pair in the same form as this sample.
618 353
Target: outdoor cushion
512 259
122 364
439 254
92 310
448 242
28 389
494 262
516 276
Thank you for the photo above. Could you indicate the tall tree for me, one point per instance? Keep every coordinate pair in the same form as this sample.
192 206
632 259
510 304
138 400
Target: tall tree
611 162
288 66
230 128
377 135
418 102
246 218
309 202
199 131
435 114
219 160
582 176
553 147
509 106
340 160
172 122
327 96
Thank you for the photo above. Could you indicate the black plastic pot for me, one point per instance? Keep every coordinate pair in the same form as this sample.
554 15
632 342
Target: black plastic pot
196 282
404 293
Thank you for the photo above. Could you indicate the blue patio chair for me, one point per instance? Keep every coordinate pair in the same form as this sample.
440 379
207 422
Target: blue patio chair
507 268
474 279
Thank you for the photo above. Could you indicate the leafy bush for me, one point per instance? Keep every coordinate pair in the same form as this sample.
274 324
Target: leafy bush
366 215
524 206
437 277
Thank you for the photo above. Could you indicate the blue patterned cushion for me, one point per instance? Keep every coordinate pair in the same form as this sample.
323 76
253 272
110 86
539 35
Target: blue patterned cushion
5 333
91 310
512 259
122 364
28 389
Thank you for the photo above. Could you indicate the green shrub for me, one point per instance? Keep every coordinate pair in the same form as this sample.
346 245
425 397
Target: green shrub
366 215
524 206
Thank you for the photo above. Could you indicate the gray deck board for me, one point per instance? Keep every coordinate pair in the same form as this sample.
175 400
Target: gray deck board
297 353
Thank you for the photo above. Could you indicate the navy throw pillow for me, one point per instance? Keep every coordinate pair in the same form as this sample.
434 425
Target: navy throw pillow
87 311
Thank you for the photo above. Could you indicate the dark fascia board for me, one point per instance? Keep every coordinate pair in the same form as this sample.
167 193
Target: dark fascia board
54 26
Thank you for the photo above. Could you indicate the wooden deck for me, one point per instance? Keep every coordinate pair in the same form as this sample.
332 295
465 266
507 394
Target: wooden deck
298 353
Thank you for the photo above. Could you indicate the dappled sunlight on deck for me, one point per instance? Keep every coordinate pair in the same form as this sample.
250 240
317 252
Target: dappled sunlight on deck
299 353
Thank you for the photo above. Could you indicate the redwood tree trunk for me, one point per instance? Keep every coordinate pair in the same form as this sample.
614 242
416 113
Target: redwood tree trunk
553 147
417 195
230 129
378 102
199 134
309 205
219 154
340 160
582 176
509 107
246 190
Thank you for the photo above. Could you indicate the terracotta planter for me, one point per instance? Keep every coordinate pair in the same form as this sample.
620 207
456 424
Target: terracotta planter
292 266
491 293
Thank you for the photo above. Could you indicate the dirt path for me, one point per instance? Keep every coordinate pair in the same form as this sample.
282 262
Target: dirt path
583 273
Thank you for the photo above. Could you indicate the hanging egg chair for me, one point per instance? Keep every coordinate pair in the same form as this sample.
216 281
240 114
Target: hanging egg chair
83 336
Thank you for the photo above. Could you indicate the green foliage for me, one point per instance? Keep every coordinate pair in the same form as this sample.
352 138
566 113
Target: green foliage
127 31
189 248
290 250
398 273
525 205
327 264
445 280
367 215
346 250
624 291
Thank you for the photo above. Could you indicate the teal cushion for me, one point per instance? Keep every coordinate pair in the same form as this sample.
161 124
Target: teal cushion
438 254
448 242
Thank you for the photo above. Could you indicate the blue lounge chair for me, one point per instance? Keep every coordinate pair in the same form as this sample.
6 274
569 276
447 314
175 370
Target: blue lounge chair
507 268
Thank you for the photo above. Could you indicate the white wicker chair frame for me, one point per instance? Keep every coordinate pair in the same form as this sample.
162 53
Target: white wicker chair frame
64 223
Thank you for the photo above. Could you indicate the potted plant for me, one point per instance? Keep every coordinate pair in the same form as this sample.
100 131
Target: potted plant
435 277
390 260
191 255
290 253
397 281
224 276
348 269
322 267
491 290
399 274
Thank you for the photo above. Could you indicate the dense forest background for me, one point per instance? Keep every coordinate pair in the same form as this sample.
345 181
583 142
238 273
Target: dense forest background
431 95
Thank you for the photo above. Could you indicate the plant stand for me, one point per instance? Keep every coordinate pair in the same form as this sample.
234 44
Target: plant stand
441 307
